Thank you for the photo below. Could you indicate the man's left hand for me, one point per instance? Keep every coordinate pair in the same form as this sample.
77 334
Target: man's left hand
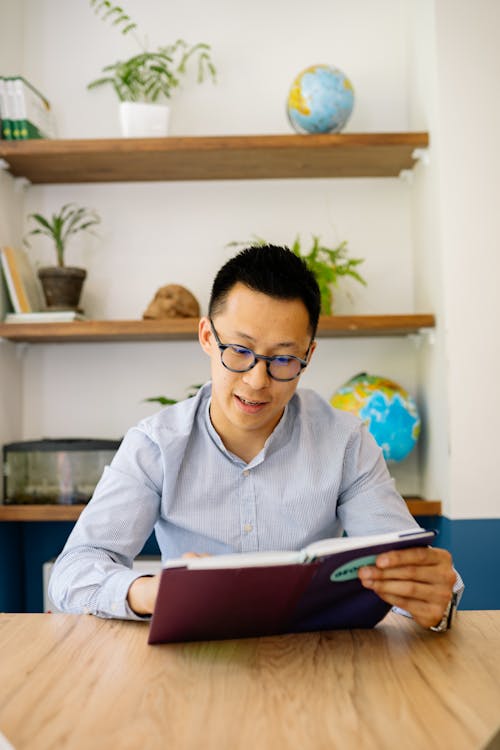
419 580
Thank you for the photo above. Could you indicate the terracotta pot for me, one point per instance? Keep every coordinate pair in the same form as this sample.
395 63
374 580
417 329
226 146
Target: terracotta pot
62 286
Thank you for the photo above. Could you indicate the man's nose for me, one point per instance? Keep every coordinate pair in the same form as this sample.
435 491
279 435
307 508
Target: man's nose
257 377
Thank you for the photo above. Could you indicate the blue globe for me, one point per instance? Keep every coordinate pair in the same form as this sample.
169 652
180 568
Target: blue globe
320 100
389 412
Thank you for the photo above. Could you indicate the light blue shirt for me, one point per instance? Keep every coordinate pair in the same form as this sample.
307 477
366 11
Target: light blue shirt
319 473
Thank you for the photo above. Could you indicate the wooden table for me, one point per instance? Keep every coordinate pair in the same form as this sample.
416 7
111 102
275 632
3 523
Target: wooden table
70 681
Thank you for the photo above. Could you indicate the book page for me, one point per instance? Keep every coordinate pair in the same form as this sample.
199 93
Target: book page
286 557
236 560
330 546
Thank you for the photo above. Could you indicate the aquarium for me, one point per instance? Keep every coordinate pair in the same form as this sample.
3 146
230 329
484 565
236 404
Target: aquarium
62 471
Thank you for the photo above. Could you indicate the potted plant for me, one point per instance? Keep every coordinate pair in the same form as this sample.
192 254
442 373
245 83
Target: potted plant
328 264
61 284
144 82
167 401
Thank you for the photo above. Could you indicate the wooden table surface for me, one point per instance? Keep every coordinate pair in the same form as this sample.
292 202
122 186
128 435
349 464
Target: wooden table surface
75 681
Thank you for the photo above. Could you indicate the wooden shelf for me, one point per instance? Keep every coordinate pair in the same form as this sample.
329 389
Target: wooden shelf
187 328
40 512
416 506
248 157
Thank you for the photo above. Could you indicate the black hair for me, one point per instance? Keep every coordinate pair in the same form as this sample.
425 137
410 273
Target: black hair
272 270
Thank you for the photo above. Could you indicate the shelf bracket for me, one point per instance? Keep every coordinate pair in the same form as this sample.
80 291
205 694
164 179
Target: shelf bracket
427 334
421 154
21 183
407 176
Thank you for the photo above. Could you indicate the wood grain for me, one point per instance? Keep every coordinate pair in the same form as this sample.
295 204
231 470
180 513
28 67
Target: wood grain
187 329
213 158
75 682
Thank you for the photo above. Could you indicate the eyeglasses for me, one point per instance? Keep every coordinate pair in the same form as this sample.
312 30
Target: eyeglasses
282 367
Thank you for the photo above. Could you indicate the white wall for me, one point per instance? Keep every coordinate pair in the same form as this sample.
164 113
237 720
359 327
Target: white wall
11 213
176 232
468 68
454 79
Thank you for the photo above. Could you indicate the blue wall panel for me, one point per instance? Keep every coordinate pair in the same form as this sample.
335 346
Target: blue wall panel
475 546
24 547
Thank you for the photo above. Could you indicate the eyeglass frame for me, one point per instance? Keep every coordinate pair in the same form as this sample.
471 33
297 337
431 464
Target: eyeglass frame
267 359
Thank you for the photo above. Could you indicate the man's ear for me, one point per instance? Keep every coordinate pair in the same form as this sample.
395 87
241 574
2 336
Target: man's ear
311 350
205 335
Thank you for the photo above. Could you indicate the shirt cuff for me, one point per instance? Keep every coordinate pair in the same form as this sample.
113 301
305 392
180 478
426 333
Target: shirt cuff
113 596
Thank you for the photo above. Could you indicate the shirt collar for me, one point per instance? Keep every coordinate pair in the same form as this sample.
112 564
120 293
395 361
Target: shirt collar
278 438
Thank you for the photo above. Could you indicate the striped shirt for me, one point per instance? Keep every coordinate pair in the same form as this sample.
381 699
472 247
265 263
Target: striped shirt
319 473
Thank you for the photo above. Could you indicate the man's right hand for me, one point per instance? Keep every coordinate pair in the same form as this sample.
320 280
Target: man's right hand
142 594
143 591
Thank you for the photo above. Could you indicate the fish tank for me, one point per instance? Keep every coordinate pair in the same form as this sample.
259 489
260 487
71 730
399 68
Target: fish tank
54 472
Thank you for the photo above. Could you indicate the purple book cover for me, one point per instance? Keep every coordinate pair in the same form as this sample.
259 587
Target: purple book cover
220 603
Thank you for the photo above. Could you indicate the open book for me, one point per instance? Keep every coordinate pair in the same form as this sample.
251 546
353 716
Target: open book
266 593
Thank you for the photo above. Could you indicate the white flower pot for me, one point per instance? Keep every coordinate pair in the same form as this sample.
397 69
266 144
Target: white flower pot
139 120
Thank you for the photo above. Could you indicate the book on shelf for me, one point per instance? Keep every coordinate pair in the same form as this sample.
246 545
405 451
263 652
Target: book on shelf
25 111
5 303
22 284
268 593
5 123
45 316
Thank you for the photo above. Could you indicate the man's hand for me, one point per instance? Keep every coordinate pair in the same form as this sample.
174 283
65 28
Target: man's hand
419 580
142 594
143 591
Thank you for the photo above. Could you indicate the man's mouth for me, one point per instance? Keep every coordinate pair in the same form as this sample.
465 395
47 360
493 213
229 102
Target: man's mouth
249 406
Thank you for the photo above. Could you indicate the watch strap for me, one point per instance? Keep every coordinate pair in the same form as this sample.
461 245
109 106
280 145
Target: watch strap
447 619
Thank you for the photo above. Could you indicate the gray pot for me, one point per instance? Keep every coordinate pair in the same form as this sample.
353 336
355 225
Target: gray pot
62 286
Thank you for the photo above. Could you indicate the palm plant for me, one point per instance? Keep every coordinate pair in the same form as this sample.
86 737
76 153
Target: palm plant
70 220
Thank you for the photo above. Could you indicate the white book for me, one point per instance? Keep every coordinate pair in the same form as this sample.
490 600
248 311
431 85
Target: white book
33 111
58 316
322 548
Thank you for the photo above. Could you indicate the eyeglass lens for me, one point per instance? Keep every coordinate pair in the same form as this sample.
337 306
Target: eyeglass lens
240 359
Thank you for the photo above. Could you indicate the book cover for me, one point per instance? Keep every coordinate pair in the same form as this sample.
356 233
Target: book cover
5 114
248 595
33 110
22 284
12 107
5 303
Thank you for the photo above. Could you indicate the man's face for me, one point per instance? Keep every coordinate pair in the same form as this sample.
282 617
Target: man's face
246 406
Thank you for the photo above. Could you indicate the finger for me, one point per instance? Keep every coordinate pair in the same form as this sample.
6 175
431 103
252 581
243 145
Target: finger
425 613
423 573
195 554
414 556
411 590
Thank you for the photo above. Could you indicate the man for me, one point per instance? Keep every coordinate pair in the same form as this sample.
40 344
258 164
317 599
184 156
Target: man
250 463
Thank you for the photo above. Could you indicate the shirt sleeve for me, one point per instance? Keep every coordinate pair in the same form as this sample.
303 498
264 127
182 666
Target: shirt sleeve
94 571
368 500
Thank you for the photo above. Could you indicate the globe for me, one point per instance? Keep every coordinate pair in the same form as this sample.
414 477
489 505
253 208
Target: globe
320 100
389 412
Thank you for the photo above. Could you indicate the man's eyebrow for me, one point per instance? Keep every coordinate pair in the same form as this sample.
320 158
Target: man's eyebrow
250 339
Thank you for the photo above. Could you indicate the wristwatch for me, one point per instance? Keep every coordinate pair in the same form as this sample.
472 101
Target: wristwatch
447 618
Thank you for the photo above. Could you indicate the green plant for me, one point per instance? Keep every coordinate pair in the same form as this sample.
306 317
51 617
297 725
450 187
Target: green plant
146 76
327 264
70 220
165 401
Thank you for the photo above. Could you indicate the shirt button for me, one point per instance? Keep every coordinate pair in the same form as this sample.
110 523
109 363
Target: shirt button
246 473
247 528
